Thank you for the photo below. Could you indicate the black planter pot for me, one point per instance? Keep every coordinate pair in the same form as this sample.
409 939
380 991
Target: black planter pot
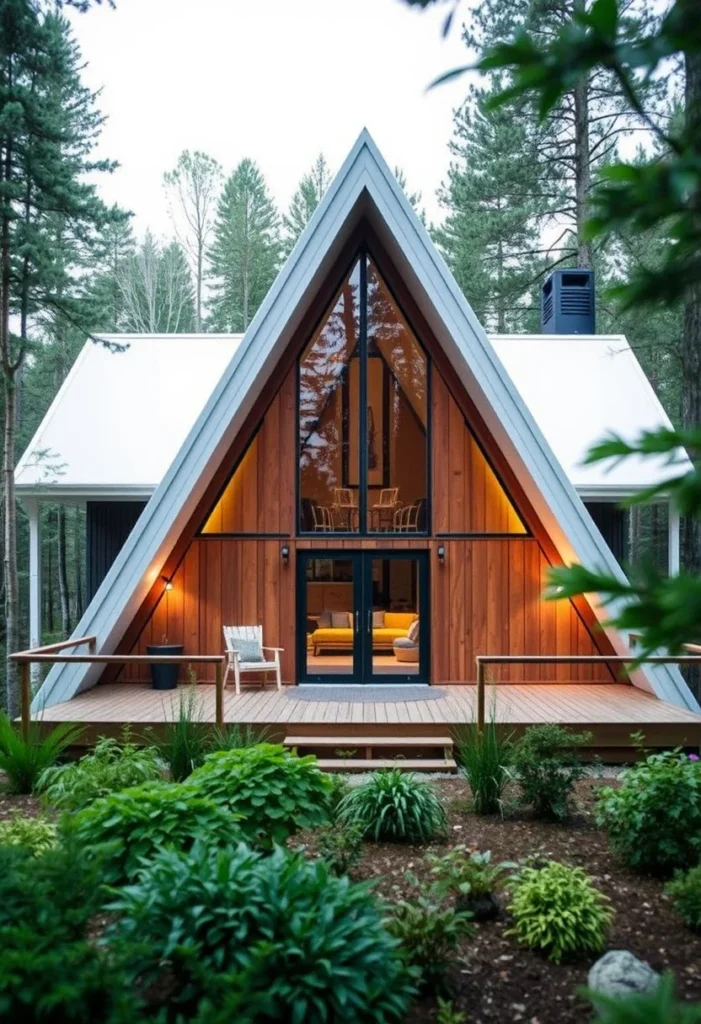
164 677
482 908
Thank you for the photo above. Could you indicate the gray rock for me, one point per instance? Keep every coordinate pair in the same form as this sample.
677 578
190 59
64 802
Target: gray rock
619 973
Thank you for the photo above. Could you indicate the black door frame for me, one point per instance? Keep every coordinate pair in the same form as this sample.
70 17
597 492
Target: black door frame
362 671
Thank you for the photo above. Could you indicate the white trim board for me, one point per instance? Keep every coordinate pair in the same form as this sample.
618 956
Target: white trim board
364 187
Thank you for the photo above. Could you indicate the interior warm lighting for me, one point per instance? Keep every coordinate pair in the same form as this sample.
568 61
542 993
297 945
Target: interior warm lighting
168 583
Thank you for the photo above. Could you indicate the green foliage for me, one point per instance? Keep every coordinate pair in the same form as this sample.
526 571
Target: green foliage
290 938
483 758
659 1007
429 935
111 766
124 831
34 834
447 1014
685 893
304 202
245 250
235 737
24 761
183 744
394 806
340 788
462 873
341 846
547 765
50 972
558 912
653 818
275 792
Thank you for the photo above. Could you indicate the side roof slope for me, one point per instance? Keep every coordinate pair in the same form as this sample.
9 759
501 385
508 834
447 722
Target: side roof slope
364 188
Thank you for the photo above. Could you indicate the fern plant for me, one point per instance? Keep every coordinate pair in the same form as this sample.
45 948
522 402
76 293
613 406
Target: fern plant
24 760
558 911
394 806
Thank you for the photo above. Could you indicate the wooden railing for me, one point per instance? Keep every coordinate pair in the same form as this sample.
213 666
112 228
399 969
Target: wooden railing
483 660
51 655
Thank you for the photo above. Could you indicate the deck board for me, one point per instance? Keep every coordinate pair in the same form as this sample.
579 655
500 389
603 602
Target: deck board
611 711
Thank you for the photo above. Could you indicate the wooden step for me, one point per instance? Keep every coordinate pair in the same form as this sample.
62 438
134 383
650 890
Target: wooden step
369 764
368 741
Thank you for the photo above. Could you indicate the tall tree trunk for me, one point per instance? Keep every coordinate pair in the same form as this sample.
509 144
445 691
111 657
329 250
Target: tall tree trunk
62 573
10 538
501 312
78 562
198 286
582 168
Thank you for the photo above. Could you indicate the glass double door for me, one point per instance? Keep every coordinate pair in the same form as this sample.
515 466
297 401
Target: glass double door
363 617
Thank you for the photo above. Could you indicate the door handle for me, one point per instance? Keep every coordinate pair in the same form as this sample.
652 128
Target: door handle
357 621
369 620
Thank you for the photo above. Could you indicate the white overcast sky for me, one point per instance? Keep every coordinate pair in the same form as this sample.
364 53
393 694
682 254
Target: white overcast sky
275 80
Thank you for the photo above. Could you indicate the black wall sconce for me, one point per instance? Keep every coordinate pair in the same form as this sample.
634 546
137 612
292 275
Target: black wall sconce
441 553
285 554
168 583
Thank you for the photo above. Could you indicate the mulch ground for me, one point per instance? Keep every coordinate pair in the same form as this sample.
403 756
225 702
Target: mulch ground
494 980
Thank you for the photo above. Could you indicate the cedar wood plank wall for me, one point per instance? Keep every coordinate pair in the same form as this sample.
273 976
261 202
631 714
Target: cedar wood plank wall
486 598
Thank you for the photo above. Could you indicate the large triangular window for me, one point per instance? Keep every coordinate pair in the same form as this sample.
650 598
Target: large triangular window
363 419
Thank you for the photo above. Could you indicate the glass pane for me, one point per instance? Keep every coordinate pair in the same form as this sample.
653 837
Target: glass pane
397 377
328 418
395 616
330 617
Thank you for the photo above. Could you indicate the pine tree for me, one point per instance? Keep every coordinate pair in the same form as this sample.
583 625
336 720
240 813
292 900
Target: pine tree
304 202
48 128
490 236
413 197
192 188
245 252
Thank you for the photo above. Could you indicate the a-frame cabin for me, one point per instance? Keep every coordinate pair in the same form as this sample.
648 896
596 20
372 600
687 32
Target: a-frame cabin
366 483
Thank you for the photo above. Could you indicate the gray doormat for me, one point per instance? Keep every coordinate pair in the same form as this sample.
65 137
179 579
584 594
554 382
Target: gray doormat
365 694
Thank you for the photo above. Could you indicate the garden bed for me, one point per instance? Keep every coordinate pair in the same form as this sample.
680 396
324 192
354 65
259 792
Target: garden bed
494 979
497 980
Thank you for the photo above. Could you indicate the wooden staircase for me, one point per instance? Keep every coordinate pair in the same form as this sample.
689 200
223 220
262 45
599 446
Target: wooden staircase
356 753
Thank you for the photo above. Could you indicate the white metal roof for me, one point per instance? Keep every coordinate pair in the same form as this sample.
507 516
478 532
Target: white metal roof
364 189
120 418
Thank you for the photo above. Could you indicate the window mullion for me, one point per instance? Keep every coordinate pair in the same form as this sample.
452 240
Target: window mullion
363 398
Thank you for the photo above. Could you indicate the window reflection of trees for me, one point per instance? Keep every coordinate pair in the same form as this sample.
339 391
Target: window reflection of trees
322 370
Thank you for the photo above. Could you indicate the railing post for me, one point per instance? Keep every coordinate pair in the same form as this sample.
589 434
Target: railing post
219 694
92 645
480 695
25 697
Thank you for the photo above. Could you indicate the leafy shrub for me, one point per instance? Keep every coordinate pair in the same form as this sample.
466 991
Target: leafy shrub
483 758
659 1007
340 787
557 911
275 792
428 935
124 831
654 818
467 876
394 806
35 834
184 743
447 1014
111 766
24 761
50 973
340 845
297 942
547 765
685 892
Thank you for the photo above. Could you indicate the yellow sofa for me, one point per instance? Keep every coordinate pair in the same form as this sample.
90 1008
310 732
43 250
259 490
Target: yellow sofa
396 625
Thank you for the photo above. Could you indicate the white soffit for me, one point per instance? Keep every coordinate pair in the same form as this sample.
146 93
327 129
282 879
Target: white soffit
364 186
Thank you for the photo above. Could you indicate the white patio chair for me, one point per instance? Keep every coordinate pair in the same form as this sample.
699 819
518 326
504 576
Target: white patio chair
233 635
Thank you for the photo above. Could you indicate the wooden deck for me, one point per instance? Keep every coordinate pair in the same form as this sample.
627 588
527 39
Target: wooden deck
610 711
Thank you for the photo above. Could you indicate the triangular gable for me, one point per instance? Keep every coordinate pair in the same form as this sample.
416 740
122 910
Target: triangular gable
363 188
